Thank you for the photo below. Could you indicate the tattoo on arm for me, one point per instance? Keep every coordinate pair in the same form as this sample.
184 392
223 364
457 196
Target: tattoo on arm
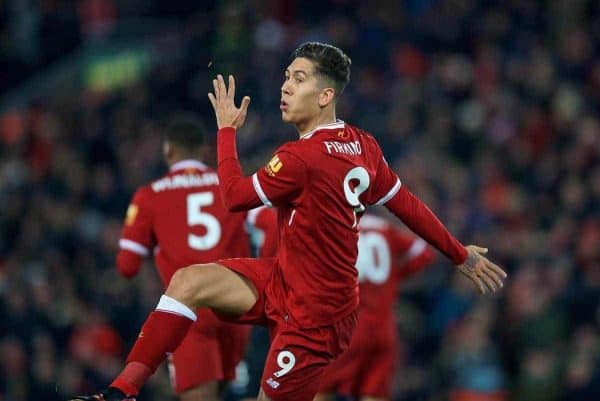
471 262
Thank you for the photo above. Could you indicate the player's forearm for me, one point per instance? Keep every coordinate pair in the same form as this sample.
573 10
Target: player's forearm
421 220
237 190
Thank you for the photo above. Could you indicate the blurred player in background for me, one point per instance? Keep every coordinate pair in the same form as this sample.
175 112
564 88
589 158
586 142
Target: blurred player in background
182 219
386 256
321 184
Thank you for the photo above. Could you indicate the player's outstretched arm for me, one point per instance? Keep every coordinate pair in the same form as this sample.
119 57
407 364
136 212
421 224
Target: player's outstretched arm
469 260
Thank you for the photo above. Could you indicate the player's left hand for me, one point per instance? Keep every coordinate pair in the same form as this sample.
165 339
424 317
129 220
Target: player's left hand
487 276
228 115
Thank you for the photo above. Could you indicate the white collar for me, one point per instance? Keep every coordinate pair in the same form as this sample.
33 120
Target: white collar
336 125
188 163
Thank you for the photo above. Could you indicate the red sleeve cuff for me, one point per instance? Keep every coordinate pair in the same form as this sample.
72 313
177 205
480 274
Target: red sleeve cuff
462 253
226 148
236 190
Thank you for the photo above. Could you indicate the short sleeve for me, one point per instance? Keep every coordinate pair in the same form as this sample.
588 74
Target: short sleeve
136 235
282 179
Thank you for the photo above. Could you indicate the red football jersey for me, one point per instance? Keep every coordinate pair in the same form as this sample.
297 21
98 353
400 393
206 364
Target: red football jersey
386 256
184 213
321 185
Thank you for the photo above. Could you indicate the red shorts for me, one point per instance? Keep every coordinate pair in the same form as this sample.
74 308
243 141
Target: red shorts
209 352
366 368
297 356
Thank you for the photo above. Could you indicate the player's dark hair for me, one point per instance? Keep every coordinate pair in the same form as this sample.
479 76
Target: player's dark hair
330 62
186 132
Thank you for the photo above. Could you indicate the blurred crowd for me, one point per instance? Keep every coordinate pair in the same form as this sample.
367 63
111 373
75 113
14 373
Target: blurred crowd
489 111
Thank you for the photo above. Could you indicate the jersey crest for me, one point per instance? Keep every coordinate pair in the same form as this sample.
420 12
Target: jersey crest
132 212
273 166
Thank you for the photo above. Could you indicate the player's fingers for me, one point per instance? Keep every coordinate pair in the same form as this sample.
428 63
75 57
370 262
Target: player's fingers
492 283
222 87
493 277
489 284
479 249
243 110
482 287
497 269
213 101
473 277
231 89
216 87
245 103
478 283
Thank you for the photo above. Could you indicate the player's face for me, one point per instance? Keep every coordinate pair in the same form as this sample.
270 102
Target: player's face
300 92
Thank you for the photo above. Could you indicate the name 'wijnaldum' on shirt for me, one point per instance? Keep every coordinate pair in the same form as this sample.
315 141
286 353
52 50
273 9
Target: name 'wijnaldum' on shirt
185 181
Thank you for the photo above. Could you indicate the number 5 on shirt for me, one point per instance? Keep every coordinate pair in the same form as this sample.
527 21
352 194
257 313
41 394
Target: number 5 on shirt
195 216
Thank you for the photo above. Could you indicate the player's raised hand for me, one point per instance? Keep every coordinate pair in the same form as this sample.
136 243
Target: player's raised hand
223 102
487 276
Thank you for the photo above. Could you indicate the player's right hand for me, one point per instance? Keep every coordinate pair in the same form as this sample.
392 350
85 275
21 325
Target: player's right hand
223 103
487 276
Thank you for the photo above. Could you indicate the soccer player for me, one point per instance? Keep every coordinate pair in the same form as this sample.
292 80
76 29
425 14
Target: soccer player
321 184
182 217
386 256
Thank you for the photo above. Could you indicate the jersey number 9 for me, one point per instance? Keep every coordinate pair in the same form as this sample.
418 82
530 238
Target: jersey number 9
360 177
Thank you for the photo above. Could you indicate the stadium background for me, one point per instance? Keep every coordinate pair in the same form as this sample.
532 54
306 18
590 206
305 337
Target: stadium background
488 111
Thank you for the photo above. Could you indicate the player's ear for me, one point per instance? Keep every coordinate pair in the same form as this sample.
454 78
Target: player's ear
326 96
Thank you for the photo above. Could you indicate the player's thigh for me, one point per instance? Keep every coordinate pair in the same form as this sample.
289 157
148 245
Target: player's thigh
256 272
214 286
204 392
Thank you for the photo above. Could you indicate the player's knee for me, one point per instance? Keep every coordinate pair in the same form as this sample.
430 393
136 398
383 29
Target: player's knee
192 285
186 283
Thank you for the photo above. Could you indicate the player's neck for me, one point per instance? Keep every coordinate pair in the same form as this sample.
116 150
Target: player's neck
305 128
186 162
